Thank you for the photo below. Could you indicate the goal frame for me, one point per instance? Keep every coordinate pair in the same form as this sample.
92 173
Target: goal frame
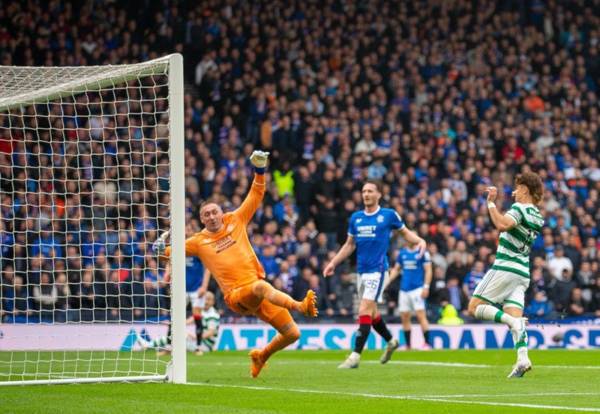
176 371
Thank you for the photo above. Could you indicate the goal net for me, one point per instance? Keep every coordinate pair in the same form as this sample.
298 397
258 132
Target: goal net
91 172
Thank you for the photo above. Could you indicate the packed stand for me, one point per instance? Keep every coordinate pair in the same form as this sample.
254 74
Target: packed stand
436 99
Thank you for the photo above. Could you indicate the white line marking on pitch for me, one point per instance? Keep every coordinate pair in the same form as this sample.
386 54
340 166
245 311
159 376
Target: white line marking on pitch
444 399
521 405
461 365
421 363
531 394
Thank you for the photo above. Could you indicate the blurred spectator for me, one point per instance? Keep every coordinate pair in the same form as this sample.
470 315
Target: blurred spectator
560 265
439 260
577 305
45 297
561 291
473 278
595 302
344 294
539 306
22 310
270 262
454 295
449 316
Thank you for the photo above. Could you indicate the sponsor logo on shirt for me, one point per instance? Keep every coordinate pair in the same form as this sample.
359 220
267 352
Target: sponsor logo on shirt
366 231
223 244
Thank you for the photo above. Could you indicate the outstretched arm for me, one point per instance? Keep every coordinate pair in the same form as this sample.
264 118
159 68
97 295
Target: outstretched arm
503 222
160 246
257 191
345 251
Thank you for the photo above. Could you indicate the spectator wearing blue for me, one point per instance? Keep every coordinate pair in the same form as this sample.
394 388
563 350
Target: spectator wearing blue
539 306
473 278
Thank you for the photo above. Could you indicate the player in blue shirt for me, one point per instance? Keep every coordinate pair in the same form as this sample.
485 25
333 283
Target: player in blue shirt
369 233
414 288
196 285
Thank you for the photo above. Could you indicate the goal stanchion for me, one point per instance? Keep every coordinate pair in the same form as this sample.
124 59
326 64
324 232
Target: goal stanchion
91 171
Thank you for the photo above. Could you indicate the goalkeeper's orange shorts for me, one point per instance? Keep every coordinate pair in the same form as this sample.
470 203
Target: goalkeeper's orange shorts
242 300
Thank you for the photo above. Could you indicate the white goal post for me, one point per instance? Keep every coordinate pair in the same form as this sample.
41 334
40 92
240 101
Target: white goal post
91 172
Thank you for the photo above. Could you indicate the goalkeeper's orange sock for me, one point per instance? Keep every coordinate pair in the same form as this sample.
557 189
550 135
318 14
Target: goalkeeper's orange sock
279 342
288 333
259 358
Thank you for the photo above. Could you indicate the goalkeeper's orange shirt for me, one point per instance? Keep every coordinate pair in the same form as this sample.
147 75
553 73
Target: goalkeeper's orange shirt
228 254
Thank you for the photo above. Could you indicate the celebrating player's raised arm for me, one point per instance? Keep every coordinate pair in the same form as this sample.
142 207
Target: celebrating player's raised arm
259 160
345 251
501 222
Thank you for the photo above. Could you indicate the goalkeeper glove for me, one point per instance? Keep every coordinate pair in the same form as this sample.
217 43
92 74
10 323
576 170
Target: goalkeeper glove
259 159
160 244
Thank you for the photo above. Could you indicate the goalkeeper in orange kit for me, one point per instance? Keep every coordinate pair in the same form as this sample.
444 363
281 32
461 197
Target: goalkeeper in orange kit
225 250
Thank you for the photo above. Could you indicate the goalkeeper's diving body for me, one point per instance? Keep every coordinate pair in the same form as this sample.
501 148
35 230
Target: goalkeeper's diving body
225 250
504 285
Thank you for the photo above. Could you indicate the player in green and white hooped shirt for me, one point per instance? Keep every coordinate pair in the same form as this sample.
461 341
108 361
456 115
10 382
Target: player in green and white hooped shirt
504 285
210 331
210 324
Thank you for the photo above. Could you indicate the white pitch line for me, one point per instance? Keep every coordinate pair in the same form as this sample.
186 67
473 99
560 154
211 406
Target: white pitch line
462 365
531 394
430 396
521 405
401 397
417 363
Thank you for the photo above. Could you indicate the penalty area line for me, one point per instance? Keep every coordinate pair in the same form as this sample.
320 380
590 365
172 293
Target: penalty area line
429 398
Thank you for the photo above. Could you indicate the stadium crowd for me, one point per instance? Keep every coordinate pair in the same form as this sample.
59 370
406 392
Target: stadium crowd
435 99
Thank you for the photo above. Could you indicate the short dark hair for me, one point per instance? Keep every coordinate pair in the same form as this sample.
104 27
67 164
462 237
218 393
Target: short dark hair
209 200
534 184
376 183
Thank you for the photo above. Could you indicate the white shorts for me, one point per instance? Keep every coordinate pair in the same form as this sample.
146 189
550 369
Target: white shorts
502 288
370 285
192 297
411 300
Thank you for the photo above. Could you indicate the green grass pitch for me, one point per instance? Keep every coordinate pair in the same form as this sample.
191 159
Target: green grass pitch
309 382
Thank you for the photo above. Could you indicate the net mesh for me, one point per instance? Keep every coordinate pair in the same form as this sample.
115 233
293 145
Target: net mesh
84 190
